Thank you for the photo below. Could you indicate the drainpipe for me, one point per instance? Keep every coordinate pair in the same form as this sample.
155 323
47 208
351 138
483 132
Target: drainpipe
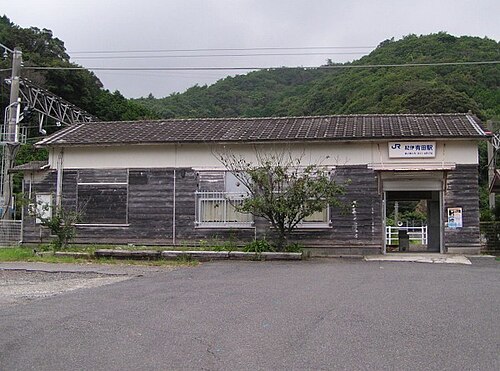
21 237
173 212
59 184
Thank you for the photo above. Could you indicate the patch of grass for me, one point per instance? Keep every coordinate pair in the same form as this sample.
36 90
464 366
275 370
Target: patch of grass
26 254
497 258
15 254
11 254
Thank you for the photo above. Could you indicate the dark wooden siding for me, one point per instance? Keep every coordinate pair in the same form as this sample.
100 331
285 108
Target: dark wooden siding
150 205
102 176
462 190
358 224
33 232
357 227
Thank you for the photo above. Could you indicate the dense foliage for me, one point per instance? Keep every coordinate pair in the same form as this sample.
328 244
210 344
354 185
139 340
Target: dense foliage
430 89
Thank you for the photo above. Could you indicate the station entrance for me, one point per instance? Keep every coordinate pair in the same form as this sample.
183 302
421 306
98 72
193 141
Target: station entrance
412 211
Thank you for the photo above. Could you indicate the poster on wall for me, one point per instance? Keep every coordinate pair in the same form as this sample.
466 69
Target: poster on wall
454 217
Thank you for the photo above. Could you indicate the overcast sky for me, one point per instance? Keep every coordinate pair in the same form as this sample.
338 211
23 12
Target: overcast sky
131 25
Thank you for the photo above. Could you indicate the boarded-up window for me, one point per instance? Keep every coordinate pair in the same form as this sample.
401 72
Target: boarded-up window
102 196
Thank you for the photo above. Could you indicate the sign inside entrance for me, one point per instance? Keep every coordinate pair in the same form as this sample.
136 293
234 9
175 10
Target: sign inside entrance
412 149
454 217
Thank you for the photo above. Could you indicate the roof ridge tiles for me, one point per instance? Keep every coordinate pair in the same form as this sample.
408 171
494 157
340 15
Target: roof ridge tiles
254 118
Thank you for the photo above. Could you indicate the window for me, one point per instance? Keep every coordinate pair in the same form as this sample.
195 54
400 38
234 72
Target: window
319 219
102 196
218 208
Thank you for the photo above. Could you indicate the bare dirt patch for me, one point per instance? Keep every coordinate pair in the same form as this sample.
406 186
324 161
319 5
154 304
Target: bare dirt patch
21 286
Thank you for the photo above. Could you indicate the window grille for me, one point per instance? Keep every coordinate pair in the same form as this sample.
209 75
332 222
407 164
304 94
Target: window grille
218 209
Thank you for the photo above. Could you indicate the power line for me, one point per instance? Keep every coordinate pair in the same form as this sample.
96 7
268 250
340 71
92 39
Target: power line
217 49
250 68
217 55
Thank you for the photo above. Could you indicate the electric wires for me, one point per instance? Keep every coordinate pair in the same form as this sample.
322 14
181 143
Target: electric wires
252 68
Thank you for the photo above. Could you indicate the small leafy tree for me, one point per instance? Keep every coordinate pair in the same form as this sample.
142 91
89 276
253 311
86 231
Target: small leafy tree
61 224
282 190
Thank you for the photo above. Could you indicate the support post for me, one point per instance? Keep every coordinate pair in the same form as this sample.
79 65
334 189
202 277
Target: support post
491 166
59 183
174 232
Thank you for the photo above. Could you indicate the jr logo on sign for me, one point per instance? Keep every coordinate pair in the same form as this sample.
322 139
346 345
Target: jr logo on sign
412 149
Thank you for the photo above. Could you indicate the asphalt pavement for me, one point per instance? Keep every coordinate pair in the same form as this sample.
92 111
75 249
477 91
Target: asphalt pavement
320 314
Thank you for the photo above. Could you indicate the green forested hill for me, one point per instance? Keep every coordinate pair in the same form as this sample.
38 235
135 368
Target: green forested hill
283 92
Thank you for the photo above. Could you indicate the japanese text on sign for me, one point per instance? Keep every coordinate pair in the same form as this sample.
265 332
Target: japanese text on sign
412 149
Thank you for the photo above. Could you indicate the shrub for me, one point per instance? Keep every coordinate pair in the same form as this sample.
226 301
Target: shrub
294 247
258 246
61 225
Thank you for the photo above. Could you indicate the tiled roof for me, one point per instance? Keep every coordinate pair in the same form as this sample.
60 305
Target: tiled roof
30 166
275 129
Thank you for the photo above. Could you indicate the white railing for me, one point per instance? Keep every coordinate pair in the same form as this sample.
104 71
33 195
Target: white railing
415 234
217 209
10 232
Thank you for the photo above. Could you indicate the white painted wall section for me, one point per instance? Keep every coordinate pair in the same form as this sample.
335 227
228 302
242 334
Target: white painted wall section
374 154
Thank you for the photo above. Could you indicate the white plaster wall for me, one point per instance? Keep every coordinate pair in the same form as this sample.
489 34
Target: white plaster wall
205 156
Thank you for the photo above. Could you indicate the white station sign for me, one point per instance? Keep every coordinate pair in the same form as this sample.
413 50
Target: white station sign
412 149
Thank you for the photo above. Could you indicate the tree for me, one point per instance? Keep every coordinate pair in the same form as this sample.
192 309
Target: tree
282 190
61 223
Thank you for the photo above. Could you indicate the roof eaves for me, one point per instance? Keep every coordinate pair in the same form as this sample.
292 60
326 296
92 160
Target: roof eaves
475 125
271 140
52 139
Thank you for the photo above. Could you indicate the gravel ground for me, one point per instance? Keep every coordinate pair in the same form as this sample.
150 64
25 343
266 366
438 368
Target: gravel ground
21 286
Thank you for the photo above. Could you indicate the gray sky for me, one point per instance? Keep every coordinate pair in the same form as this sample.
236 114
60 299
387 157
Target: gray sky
117 25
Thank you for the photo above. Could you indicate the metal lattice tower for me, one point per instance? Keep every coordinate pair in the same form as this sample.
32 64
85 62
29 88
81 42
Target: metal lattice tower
26 94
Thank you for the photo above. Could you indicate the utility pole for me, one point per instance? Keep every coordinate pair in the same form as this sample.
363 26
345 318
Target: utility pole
10 135
47 104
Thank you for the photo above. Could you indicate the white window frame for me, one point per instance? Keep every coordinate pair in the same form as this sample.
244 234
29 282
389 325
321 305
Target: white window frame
305 224
226 198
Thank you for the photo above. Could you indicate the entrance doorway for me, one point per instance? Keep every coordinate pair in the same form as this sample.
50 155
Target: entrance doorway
412 221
